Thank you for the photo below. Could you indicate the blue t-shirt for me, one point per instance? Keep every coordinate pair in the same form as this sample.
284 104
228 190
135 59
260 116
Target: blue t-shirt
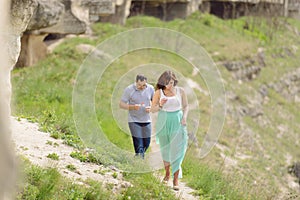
144 97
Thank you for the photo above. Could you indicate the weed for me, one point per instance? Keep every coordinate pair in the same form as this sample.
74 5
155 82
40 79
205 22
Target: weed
53 156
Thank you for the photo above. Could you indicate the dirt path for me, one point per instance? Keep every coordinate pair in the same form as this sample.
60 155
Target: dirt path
36 146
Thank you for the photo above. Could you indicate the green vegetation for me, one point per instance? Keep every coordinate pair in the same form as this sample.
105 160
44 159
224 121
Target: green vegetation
146 186
49 184
53 156
84 157
210 183
71 167
43 94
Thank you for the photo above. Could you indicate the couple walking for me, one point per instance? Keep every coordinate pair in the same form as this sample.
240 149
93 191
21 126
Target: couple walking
170 102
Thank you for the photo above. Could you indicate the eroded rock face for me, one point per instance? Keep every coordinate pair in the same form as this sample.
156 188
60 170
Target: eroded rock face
122 11
58 18
295 170
289 86
14 18
33 49
94 9
21 13
49 17
243 70
165 10
47 13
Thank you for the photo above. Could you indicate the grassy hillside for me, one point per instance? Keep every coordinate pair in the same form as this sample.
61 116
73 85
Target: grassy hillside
251 159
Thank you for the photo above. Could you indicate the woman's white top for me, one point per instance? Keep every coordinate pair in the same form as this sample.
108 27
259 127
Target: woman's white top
173 103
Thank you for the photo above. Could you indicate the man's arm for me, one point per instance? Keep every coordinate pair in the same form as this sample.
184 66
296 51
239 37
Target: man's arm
126 106
125 98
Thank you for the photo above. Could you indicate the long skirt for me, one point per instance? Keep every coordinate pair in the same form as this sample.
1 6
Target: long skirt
172 138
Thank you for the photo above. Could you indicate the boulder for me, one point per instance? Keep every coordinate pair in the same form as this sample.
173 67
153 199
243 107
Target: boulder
47 14
67 22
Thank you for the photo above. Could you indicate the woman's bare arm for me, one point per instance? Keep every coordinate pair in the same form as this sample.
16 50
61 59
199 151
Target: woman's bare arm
185 106
155 102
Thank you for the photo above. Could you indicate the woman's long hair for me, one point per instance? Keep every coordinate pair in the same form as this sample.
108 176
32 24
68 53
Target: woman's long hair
164 80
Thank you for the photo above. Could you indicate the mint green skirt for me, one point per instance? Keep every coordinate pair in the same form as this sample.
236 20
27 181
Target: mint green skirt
172 138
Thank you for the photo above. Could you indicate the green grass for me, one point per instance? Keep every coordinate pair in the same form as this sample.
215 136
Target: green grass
71 167
53 156
43 94
215 35
47 184
146 186
208 182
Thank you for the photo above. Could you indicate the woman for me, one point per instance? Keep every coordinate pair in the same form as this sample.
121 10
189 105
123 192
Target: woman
171 133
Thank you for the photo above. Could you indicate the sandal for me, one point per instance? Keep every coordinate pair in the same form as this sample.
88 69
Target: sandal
176 187
166 179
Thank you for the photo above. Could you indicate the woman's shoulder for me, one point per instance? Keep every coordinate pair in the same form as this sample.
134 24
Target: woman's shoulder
157 91
181 90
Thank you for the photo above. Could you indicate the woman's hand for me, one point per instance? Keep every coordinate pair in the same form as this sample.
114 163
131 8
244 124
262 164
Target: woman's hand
183 122
163 101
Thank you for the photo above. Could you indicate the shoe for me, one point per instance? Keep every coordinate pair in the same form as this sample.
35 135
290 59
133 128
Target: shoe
166 179
176 187
140 155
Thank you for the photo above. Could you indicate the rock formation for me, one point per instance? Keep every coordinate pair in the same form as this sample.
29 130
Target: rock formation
15 16
234 9
49 17
122 11
91 11
56 18
165 9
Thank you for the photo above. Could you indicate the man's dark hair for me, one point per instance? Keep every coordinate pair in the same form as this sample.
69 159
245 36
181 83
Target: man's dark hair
140 77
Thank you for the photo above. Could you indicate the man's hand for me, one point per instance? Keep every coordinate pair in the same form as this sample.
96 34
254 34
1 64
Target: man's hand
147 109
136 106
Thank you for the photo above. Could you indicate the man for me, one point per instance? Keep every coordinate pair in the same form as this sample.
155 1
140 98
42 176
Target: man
137 99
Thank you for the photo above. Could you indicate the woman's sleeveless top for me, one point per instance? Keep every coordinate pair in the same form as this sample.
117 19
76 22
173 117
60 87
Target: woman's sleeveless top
173 103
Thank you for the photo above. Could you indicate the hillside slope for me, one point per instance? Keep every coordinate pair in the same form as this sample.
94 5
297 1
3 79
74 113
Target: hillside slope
260 69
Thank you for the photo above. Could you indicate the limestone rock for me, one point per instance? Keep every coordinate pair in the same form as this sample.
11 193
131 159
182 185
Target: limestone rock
122 11
68 22
288 86
165 9
54 17
14 18
32 50
21 13
90 11
47 13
